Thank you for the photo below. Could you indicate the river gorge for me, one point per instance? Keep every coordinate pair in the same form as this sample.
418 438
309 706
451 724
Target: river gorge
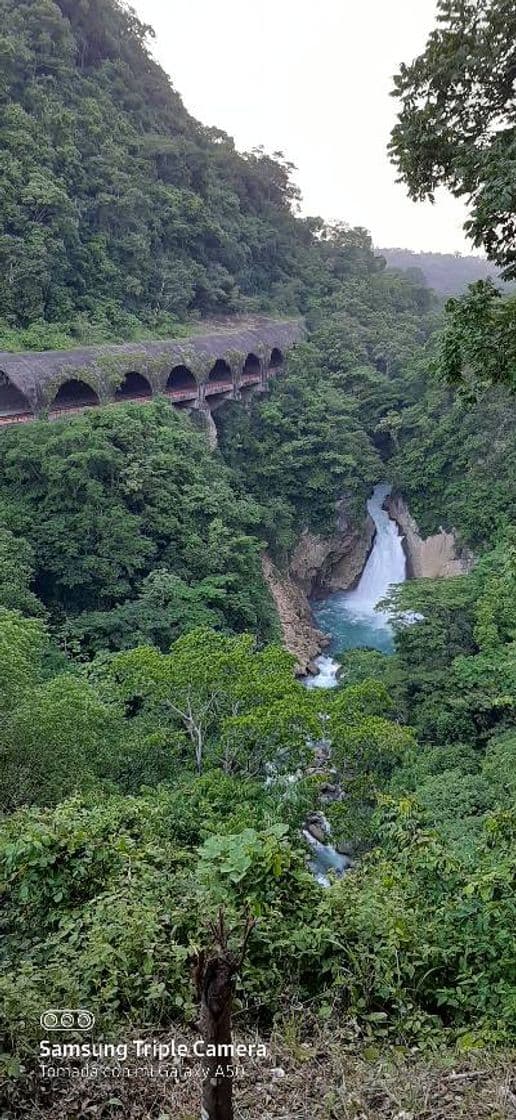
350 618
327 596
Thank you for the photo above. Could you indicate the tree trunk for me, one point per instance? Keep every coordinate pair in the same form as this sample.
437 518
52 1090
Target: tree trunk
214 978
215 1021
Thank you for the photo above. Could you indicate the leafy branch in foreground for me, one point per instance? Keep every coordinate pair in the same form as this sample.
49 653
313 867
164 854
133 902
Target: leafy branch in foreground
478 346
457 121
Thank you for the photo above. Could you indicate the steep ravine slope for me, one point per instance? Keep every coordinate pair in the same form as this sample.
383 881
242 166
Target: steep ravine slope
299 634
318 566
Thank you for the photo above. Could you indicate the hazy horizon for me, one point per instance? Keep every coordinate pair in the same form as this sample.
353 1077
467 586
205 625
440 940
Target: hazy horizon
277 77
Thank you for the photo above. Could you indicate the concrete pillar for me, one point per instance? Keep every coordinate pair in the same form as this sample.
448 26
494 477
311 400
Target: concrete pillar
204 419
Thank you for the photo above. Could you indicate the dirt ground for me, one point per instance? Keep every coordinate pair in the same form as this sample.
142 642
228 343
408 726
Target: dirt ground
322 1079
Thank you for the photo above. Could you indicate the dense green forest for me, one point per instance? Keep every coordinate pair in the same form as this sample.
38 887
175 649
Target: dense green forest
150 722
456 129
120 214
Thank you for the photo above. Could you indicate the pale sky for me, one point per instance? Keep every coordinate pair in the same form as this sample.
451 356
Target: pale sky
310 78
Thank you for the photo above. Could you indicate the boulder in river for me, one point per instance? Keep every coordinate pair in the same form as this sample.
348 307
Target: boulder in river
318 827
330 791
317 832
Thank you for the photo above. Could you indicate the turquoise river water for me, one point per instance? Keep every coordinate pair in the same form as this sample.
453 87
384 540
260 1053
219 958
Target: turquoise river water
350 617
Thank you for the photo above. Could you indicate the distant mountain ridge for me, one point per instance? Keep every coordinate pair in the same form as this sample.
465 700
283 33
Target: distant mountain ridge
447 273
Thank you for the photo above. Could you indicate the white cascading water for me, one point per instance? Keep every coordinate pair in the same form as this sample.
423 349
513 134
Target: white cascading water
352 620
350 617
385 566
327 675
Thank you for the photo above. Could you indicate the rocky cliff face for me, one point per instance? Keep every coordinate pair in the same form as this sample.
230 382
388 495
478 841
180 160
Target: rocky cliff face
300 636
319 565
430 557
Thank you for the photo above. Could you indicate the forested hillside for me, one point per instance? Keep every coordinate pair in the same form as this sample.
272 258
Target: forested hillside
133 531
448 274
159 758
120 212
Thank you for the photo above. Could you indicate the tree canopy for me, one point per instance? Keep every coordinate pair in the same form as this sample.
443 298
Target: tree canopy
458 116
457 128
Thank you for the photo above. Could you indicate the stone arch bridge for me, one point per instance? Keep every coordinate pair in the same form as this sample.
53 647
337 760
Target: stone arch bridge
198 372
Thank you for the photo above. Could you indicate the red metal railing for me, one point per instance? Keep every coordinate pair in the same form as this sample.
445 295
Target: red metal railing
55 413
17 418
211 388
182 394
218 387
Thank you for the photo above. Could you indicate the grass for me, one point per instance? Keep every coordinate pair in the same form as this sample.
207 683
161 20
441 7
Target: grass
323 1078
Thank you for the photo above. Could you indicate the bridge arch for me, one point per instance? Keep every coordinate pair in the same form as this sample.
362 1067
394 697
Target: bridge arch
220 372
252 365
74 393
276 358
181 378
12 401
133 385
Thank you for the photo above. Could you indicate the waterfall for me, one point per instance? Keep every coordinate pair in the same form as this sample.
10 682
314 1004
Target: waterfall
325 858
350 617
327 675
386 564
352 620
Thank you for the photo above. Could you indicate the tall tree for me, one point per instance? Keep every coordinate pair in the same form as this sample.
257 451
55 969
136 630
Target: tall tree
458 118
457 128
